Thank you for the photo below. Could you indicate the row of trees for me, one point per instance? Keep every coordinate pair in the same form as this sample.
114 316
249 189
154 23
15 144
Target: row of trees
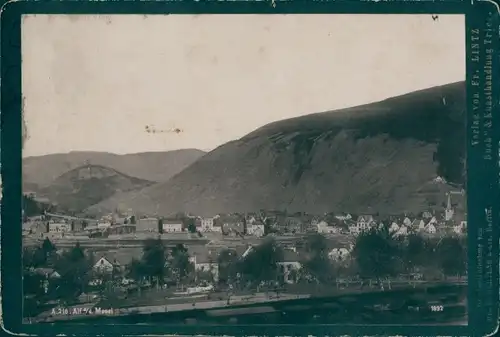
376 255
379 253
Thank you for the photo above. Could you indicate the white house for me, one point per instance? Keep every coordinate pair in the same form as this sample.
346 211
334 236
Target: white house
60 227
418 224
365 222
460 228
339 254
206 224
354 229
103 266
394 227
407 222
255 229
324 228
402 231
430 228
206 262
172 226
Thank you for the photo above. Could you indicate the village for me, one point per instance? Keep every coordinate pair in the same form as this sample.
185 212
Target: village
258 224
126 260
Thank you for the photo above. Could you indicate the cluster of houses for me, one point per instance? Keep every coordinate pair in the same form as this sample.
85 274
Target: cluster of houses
204 258
255 224
427 223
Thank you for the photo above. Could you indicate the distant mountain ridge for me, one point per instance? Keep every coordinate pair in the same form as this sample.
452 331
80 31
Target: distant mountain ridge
87 185
41 171
379 157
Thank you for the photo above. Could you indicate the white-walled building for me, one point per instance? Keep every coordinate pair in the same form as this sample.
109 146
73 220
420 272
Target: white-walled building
402 231
430 228
172 226
103 225
324 228
205 224
103 266
206 261
339 254
255 230
59 227
393 228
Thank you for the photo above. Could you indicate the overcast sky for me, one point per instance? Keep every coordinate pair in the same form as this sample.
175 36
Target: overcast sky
95 82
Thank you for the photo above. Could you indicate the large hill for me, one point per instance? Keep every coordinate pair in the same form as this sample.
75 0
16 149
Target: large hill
87 185
380 157
154 166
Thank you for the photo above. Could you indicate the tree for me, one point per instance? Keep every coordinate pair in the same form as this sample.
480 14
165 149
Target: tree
153 259
318 264
160 226
245 225
180 263
33 257
377 254
261 264
227 261
179 248
75 270
33 284
135 271
48 247
316 244
452 256
191 225
415 252
49 250
76 254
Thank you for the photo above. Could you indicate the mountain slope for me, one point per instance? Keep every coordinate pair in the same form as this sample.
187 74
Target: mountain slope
154 166
87 185
379 157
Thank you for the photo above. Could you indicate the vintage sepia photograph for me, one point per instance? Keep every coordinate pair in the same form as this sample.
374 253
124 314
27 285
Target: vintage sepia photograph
244 169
